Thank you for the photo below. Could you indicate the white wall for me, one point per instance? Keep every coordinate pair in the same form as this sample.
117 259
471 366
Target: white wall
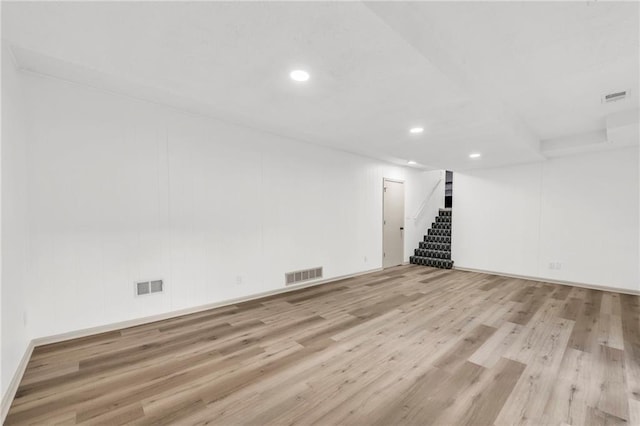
14 339
579 211
122 190
433 199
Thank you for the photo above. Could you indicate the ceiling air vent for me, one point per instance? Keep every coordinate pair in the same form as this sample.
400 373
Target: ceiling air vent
296 277
149 287
612 97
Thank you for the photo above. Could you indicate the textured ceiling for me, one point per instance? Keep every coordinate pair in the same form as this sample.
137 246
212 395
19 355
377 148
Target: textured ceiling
506 79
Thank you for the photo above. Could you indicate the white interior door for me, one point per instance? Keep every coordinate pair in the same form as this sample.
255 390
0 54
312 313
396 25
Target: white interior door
393 223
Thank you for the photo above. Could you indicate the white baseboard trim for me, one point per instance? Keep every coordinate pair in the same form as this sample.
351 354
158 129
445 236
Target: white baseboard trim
39 341
546 280
56 338
8 396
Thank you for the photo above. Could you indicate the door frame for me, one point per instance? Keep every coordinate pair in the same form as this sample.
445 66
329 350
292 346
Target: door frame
402 181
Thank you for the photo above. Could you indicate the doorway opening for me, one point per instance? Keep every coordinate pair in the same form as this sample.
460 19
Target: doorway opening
448 189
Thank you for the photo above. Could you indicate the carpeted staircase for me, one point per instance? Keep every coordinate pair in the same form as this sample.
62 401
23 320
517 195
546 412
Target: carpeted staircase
435 250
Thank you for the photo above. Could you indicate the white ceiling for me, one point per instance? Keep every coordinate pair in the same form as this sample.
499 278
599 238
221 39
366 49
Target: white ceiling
515 81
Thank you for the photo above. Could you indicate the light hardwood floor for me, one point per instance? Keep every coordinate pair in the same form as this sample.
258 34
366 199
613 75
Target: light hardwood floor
409 345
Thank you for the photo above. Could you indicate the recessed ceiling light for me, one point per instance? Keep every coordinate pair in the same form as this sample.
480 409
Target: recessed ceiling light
474 155
416 130
299 75
411 163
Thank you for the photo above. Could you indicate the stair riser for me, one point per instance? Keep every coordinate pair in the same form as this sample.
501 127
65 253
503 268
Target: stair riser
436 263
432 253
439 232
440 226
437 239
435 246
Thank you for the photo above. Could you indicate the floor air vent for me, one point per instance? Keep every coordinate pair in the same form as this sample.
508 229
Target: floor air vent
149 287
303 275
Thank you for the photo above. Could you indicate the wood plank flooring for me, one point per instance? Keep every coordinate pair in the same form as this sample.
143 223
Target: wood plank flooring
408 345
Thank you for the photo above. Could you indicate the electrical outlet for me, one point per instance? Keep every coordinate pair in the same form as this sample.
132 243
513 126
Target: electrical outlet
365 259
239 280
555 266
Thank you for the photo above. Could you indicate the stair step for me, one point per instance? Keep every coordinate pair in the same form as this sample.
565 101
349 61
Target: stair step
437 239
429 261
439 232
443 219
436 254
429 245
435 225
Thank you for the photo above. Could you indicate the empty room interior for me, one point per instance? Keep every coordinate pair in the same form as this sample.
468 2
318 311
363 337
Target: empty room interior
328 213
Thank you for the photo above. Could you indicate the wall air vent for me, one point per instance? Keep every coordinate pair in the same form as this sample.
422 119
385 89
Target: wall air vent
149 287
296 277
156 286
612 97
142 288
